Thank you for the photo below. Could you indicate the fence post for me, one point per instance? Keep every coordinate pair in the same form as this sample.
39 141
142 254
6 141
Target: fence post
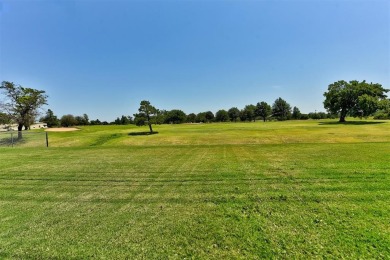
12 139
47 139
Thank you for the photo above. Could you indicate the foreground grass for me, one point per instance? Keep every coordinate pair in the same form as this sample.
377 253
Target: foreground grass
228 133
216 199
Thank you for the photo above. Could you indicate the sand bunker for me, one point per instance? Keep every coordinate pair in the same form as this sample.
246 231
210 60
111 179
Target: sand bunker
62 129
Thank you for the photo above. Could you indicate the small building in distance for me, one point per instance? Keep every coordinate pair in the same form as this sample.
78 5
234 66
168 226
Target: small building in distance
14 127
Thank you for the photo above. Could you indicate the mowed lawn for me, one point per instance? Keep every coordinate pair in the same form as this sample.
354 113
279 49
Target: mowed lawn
297 189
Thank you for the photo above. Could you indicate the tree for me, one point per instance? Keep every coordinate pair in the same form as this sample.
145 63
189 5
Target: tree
191 118
175 116
263 110
85 119
82 120
353 98
384 109
6 120
160 116
234 114
50 119
318 115
222 116
22 104
384 105
304 117
95 122
68 120
201 117
209 116
248 113
296 114
126 120
145 115
367 105
281 110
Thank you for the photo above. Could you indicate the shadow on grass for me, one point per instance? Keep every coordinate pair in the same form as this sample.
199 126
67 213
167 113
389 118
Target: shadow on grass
351 123
7 141
142 133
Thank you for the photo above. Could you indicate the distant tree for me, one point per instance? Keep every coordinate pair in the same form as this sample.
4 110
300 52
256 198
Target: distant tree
304 117
145 115
281 110
248 113
160 116
201 117
82 120
318 115
234 114
191 118
79 120
313 115
85 119
263 110
243 116
222 116
22 104
353 98
323 115
95 122
331 116
296 114
68 120
175 116
126 120
5 119
209 116
50 119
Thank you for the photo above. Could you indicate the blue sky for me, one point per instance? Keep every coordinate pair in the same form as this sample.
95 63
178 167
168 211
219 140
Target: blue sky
103 57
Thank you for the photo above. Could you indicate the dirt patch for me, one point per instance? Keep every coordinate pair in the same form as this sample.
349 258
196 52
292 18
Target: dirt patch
62 129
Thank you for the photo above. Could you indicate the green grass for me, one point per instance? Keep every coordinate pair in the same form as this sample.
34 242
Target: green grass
238 191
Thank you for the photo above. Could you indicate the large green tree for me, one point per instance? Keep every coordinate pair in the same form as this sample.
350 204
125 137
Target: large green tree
22 103
209 116
222 116
175 116
281 110
145 115
248 113
191 118
353 98
234 114
201 117
68 120
263 110
82 120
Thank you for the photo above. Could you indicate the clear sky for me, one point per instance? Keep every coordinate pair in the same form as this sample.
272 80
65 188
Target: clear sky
103 57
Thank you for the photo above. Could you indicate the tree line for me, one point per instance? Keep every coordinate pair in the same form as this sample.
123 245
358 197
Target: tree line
70 120
280 110
353 98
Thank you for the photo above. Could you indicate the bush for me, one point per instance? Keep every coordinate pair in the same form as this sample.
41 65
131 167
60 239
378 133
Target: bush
304 117
68 120
382 115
